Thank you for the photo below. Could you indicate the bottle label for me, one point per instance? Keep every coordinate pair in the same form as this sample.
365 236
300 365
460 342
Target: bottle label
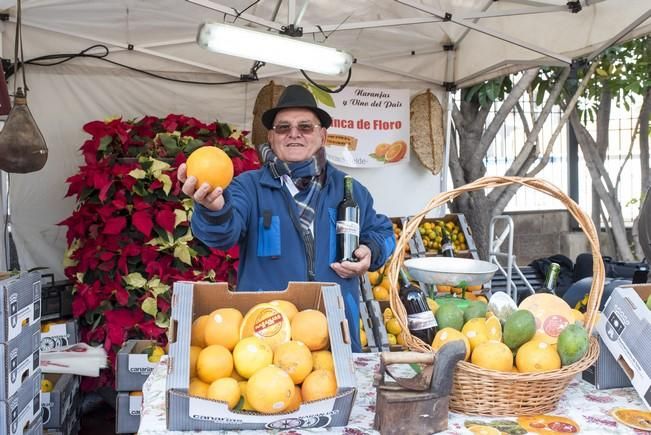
348 227
418 321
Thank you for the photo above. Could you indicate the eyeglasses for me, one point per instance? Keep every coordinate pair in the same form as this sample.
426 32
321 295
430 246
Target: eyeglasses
302 127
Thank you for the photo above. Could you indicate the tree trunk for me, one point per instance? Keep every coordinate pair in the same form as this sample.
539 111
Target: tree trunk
645 114
602 184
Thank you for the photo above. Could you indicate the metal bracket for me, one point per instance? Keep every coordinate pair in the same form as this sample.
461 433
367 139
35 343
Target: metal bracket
291 30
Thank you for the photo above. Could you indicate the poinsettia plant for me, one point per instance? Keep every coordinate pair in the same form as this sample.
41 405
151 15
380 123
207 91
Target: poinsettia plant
129 238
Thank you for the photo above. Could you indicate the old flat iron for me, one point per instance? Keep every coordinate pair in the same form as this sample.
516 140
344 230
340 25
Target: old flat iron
419 404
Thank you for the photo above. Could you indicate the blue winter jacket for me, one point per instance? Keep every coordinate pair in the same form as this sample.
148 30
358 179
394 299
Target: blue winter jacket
261 216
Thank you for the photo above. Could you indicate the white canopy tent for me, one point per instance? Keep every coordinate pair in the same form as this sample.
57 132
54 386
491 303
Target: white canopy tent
412 44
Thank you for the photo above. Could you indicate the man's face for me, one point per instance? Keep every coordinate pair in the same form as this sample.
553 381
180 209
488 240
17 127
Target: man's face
298 143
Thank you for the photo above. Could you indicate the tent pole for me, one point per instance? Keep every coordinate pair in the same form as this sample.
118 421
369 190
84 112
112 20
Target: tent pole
446 151
5 258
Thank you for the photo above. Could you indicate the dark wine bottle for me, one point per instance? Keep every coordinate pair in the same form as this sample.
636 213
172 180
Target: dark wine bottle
551 279
347 224
420 319
447 248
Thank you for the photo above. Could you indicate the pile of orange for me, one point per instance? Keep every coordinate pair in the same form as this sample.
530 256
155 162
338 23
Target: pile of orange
269 360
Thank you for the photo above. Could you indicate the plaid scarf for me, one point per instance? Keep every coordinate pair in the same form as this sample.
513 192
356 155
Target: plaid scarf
308 177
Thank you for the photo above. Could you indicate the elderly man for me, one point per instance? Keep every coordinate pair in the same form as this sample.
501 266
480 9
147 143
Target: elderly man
283 215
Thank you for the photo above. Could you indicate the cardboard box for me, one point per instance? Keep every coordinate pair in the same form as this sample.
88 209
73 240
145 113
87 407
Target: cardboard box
21 414
58 404
625 328
605 373
132 366
19 359
55 335
191 300
127 412
20 304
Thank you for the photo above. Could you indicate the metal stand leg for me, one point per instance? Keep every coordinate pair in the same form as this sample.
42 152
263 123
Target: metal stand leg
495 255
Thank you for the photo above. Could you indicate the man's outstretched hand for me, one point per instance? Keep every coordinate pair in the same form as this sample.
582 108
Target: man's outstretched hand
211 199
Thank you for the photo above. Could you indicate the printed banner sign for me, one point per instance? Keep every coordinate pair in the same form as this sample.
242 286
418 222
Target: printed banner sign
370 127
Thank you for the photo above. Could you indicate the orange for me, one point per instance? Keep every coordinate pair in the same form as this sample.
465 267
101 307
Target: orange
396 151
223 327
236 375
319 384
381 149
493 355
198 388
295 358
197 334
250 355
494 327
269 390
311 327
295 400
374 277
214 362
380 293
537 356
322 359
210 165
476 331
287 308
448 334
194 354
393 327
225 390
267 322
363 338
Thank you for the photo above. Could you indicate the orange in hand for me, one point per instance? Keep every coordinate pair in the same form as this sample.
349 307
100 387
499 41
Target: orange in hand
210 165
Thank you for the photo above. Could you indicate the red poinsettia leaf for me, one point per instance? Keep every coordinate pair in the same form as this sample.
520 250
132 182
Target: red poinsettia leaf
142 220
115 225
163 304
121 295
150 329
78 306
165 219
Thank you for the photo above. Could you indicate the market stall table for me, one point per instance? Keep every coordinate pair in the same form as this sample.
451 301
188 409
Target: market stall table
589 407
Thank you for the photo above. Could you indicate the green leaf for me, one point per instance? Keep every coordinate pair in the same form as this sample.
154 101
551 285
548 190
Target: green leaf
149 306
104 142
182 252
169 142
180 216
193 145
135 280
224 129
167 183
162 320
157 287
321 96
138 174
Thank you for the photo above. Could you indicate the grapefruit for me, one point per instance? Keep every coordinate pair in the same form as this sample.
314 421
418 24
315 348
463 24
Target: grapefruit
295 358
250 355
267 322
225 390
197 334
311 327
214 362
322 359
286 307
295 400
210 165
198 388
320 384
194 355
448 334
269 390
223 327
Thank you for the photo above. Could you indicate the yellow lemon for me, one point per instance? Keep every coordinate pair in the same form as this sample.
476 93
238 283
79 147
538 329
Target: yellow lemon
393 327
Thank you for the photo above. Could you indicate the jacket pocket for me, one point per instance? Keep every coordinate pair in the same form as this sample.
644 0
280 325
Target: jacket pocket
269 237
332 215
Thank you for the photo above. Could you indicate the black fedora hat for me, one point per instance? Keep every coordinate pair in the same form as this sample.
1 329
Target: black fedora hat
296 97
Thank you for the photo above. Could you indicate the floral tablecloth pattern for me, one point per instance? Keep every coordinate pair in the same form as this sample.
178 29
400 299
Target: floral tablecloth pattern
589 407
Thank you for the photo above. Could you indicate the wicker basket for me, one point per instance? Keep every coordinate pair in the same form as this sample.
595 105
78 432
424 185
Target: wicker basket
479 391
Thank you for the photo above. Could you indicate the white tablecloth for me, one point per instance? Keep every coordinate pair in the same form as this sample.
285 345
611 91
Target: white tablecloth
589 407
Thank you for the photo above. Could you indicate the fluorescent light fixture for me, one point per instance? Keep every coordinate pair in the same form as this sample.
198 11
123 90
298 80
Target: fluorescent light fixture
272 48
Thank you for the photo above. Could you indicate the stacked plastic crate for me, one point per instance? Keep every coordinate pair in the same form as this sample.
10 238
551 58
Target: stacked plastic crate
20 375
132 369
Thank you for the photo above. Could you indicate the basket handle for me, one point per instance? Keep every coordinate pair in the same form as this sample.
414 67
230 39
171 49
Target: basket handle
598 270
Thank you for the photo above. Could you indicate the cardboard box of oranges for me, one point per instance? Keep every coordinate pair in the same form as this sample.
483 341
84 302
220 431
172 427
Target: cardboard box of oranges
207 323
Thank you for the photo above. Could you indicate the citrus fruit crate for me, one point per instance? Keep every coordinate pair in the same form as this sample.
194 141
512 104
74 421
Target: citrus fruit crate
427 240
480 391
